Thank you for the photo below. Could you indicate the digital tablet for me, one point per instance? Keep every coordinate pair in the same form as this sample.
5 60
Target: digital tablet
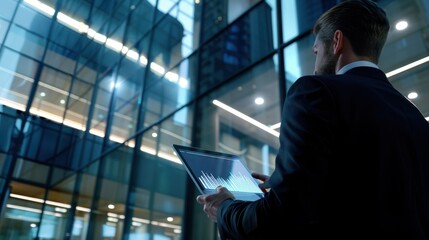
210 169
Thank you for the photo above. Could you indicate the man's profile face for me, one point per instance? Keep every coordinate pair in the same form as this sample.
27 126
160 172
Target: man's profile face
325 58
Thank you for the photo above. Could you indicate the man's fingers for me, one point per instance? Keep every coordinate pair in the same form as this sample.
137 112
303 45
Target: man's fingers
201 199
260 176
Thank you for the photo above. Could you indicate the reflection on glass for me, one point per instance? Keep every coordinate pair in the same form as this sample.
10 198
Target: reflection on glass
299 59
22 212
236 131
17 74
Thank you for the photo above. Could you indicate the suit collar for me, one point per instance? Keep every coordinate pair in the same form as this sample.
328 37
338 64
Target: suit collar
367 72
356 64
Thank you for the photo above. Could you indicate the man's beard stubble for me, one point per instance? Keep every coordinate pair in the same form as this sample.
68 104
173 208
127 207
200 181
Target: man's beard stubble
329 66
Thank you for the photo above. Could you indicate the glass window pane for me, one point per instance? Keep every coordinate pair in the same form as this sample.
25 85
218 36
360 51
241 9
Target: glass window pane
87 70
167 41
254 94
20 219
165 5
171 92
78 105
2 161
101 108
299 16
218 14
61 58
236 48
110 210
32 20
31 171
128 89
3 27
7 9
272 4
17 76
51 94
25 42
299 59
141 20
57 208
161 198
85 195
9 131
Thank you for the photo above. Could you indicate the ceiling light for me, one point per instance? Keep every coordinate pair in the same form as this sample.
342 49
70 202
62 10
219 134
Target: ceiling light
401 25
184 83
72 23
408 66
157 68
111 206
47 10
114 45
259 101
83 209
275 126
172 77
131 54
59 209
412 95
136 224
110 219
245 118
38 200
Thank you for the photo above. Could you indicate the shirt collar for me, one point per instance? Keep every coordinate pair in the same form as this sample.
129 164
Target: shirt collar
356 64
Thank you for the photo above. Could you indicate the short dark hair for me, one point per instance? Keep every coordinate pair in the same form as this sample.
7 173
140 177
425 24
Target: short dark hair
363 22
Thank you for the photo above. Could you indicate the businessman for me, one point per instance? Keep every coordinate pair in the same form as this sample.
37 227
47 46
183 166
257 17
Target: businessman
353 161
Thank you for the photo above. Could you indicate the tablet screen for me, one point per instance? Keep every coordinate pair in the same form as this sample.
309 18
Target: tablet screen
210 169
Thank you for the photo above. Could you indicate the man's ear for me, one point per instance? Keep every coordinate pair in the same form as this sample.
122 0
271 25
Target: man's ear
338 42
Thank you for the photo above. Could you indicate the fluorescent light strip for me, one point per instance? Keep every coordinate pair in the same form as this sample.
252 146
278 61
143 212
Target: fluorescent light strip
38 200
57 204
28 209
31 199
275 126
72 23
83 209
49 11
245 118
408 66
115 45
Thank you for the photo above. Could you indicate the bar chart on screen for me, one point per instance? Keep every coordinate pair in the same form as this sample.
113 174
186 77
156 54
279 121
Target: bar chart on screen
235 182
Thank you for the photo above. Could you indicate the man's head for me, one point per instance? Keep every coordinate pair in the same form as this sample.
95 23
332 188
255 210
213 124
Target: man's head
362 23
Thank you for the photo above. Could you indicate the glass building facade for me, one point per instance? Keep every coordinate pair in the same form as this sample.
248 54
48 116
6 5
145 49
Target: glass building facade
93 93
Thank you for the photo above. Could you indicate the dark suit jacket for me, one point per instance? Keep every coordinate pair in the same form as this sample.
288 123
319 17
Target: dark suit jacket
353 163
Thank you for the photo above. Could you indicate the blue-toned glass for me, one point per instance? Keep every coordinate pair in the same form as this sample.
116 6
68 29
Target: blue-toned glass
34 19
7 9
52 91
25 42
17 76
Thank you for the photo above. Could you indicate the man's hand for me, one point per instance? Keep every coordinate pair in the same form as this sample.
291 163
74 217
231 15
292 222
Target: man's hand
263 185
211 202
